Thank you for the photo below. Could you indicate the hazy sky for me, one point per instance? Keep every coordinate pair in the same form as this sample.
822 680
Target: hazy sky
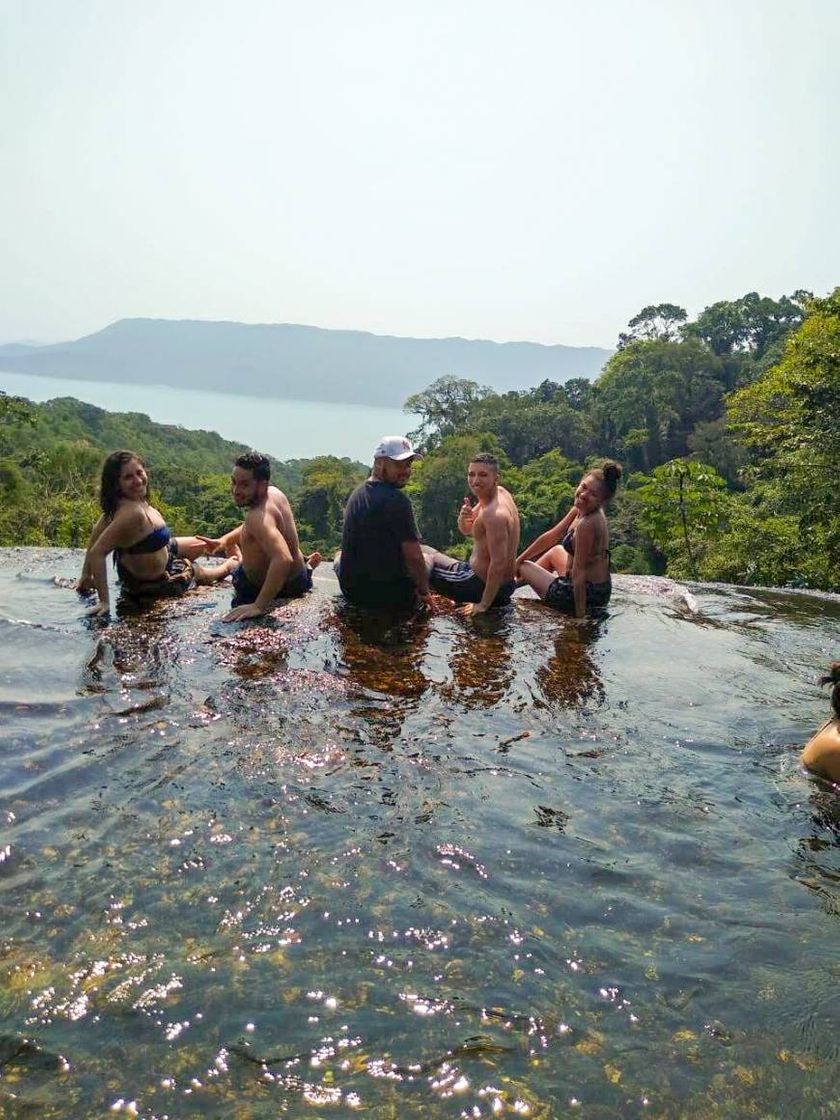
538 170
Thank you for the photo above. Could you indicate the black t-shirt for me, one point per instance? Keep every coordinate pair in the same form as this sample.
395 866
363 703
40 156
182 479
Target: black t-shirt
377 520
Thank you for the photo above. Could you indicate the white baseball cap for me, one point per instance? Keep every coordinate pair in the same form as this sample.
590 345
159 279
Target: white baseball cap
396 448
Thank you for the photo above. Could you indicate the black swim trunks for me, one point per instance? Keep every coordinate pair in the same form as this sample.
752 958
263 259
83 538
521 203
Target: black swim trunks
460 583
244 591
561 595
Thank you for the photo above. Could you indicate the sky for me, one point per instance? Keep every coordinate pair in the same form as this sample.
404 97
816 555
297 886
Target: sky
539 170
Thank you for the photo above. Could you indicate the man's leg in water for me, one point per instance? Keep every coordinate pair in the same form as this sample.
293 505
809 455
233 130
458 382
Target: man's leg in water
435 559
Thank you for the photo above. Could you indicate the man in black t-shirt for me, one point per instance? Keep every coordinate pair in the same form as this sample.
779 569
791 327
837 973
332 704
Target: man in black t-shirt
381 563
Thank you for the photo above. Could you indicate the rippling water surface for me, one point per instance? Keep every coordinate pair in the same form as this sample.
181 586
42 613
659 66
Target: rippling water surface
322 867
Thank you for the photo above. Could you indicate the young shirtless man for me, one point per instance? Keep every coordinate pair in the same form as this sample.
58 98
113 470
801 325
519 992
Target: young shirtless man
272 564
493 523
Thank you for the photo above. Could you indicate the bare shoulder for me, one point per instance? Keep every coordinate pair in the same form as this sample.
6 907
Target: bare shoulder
130 515
276 495
507 502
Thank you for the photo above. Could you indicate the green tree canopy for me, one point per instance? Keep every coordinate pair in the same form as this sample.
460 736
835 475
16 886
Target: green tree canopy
443 408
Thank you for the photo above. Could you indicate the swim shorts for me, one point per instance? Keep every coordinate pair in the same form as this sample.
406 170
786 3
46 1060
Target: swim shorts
176 579
460 583
246 592
561 595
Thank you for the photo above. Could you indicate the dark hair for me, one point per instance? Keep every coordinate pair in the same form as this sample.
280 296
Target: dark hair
486 458
259 465
608 475
833 677
109 484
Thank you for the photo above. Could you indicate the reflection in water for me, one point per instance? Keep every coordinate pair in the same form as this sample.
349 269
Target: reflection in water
480 662
381 651
381 655
128 655
570 678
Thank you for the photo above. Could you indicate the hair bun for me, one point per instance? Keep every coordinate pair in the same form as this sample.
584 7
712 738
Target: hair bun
833 674
612 469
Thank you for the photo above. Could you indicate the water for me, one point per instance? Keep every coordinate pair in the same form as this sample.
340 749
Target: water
319 868
284 429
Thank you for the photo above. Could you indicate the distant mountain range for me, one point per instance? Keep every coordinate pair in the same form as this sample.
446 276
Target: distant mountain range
295 362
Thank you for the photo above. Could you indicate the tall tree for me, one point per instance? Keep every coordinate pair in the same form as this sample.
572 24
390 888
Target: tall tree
443 408
650 396
659 321
788 420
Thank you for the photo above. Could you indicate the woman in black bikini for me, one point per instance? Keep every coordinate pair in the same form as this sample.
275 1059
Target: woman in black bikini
572 573
150 561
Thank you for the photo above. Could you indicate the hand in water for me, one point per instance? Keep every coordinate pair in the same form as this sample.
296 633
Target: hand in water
249 610
99 611
473 610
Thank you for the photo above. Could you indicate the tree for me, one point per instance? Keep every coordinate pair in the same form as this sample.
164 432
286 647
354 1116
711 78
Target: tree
682 507
528 427
750 324
15 410
712 442
443 408
580 393
327 484
650 396
660 321
787 418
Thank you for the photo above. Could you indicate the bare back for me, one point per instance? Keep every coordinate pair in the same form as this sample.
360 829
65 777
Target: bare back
259 528
592 530
286 523
496 536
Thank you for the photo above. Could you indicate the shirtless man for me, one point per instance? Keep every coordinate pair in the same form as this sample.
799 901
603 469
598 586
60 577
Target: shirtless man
272 564
493 523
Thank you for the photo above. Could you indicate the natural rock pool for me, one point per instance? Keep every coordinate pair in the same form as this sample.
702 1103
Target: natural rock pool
322 868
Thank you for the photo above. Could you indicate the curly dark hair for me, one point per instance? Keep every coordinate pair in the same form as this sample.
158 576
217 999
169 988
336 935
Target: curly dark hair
259 465
109 485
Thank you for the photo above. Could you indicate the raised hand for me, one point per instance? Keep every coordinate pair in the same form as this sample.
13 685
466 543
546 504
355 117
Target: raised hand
467 515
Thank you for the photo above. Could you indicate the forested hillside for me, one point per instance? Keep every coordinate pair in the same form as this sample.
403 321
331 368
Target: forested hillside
726 425
51 455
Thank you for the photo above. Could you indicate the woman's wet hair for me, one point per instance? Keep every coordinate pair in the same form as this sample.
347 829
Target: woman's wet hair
833 677
607 476
109 485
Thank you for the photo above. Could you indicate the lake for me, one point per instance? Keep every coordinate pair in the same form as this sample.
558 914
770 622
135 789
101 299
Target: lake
330 867
284 429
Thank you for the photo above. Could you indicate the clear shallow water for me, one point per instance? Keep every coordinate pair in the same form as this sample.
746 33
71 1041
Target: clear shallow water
285 429
318 868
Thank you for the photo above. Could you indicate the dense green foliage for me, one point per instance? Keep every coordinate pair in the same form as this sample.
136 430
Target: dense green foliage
726 426
51 455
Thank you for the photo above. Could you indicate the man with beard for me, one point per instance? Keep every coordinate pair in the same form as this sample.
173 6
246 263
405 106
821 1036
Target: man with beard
272 565
381 563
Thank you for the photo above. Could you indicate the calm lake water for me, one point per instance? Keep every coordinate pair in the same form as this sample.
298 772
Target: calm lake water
326 868
284 429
